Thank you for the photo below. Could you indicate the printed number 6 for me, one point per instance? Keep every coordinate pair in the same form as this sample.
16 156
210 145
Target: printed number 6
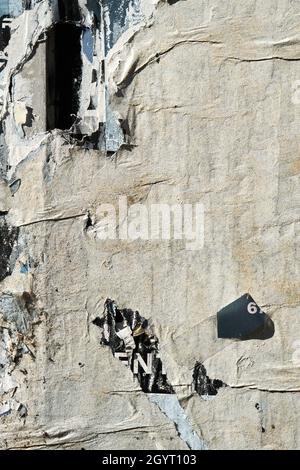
252 308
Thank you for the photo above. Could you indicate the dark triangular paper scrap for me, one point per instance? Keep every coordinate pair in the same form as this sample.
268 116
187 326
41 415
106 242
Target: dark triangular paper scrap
243 319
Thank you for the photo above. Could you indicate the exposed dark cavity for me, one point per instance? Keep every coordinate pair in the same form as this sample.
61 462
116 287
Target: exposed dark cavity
172 2
64 75
243 319
128 335
8 238
69 10
203 384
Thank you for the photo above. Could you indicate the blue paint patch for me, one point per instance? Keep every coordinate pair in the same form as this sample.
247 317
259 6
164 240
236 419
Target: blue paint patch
4 7
117 12
88 44
24 269
15 8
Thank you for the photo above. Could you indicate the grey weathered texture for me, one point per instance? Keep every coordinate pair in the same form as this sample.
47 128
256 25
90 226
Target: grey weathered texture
208 92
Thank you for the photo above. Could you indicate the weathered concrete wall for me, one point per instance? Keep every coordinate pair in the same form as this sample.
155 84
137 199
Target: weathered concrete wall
177 102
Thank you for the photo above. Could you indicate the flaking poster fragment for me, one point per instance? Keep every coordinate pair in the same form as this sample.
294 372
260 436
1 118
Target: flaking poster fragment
131 341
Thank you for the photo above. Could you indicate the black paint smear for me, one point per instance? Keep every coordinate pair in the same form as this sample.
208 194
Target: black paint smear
145 343
237 321
203 384
8 237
